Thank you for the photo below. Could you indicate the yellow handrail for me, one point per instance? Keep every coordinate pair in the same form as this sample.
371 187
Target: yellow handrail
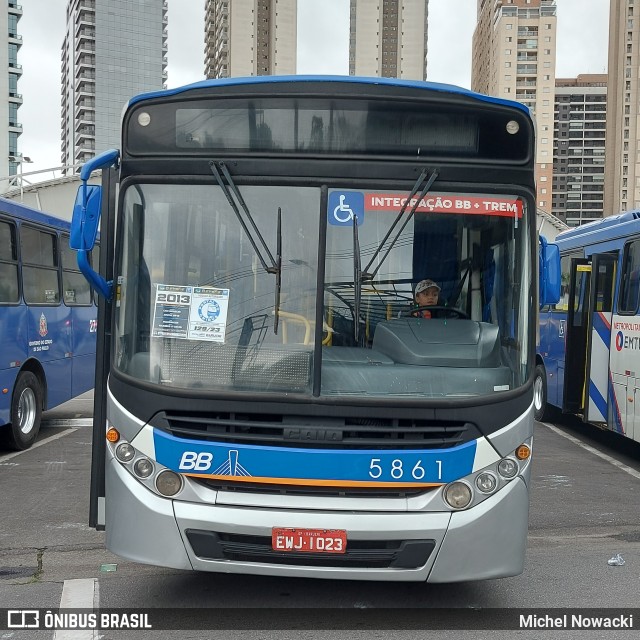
295 317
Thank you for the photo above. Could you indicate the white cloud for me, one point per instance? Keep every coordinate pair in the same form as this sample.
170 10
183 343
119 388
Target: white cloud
323 29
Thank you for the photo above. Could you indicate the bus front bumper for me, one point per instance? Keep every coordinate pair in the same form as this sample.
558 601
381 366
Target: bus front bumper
487 541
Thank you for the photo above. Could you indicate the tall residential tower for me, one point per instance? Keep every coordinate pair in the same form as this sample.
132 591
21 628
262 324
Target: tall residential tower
111 51
388 38
250 38
514 56
622 169
579 148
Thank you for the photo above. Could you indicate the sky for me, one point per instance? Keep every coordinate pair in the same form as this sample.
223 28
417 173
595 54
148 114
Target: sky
323 35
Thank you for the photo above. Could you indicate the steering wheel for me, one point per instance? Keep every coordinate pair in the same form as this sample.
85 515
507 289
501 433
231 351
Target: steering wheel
443 311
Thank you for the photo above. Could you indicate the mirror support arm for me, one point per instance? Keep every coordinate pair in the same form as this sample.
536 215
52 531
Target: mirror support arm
86 221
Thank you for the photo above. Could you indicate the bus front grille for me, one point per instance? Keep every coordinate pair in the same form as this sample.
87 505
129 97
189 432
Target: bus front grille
279 430
309 490
363 554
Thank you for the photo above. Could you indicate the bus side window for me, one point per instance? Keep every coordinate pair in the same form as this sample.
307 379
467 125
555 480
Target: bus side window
630 278
74 285
9 290
565 271
39 266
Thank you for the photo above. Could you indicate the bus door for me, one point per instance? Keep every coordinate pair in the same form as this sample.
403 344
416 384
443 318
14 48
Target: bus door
577 337
603 277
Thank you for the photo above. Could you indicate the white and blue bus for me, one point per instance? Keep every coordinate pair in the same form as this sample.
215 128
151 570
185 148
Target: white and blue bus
588 362
47 321
269 399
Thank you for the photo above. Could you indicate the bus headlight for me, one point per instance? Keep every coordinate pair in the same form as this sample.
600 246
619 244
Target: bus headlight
153 475
125 452
469 491
458 495
486 482
168 483
508 468
143 467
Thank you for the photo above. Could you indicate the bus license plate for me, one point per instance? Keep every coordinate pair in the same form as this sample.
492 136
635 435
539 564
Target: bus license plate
309 540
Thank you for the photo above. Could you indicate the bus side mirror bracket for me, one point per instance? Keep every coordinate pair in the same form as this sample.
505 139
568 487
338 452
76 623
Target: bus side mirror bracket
86 220
549 276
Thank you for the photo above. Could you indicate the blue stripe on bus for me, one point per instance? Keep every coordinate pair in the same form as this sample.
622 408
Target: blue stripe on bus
598 400
394 82
315 466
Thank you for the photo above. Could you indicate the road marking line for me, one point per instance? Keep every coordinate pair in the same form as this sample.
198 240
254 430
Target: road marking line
604 456
9 456
78 594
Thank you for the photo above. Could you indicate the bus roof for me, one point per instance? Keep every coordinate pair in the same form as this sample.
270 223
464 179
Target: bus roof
23 212
396 82
600 230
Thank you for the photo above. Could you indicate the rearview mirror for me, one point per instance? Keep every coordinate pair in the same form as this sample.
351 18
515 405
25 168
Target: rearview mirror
86 217
549 273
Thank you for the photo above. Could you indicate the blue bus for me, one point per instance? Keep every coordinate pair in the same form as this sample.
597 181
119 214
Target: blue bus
47 321
588 363
271 395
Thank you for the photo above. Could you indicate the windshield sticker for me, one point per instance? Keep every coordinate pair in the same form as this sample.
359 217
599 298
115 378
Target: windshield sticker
344 206
190 313
447 203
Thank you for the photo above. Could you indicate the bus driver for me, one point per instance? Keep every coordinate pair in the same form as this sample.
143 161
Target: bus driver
426 295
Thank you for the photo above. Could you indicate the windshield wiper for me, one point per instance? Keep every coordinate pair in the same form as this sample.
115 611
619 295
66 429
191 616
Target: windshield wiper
357 280
275 267
276 304
366 275
216 169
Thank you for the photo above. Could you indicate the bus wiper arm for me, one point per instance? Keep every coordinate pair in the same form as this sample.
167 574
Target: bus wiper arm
357 280
432 178
216 168
276 304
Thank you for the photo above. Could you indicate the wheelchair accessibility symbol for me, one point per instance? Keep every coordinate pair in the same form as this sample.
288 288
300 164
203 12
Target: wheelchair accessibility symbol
344 206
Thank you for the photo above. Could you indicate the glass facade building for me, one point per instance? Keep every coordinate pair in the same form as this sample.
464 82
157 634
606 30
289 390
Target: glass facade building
111 51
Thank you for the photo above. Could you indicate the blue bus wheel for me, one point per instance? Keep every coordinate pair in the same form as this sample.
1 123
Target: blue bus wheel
26 411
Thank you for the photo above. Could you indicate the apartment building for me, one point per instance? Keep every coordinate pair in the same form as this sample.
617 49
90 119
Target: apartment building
11 157
111 51
250 38
514 57
579 148
622 169
388 38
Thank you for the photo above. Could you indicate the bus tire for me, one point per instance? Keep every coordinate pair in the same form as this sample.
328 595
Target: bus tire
540 409
26 411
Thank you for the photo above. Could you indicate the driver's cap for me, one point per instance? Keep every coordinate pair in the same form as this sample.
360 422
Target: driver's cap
423 285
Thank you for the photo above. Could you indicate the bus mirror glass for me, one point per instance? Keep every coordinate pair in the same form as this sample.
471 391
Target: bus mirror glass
86 218
549 273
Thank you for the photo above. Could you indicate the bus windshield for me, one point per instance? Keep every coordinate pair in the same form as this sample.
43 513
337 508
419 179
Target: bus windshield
197 309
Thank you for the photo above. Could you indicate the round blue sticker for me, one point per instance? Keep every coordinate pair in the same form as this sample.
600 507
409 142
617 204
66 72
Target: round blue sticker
209 310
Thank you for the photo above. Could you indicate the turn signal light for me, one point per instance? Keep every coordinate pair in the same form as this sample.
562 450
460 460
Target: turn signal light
523 452
113 435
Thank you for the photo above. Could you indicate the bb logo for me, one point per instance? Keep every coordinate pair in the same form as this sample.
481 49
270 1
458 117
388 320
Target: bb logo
193 461
619 341
209 310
